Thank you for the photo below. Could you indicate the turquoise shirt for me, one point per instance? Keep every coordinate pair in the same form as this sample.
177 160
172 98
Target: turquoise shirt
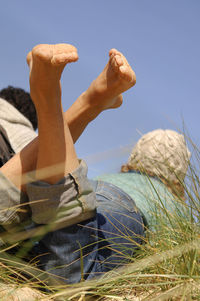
149 193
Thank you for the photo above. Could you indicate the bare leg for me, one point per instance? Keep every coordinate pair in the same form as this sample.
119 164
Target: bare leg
103 93
55 144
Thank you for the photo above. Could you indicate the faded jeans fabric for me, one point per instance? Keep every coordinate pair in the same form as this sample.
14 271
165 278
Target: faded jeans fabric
97 245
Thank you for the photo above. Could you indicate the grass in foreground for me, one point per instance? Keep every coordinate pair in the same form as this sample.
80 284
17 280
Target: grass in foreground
167 267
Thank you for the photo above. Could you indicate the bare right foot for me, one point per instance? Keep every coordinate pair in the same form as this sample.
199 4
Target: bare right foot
55 145
116 78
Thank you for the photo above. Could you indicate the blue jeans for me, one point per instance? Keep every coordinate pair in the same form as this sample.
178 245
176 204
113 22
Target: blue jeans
97 245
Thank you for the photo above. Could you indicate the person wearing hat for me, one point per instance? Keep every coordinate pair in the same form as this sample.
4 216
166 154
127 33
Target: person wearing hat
155 172
105 220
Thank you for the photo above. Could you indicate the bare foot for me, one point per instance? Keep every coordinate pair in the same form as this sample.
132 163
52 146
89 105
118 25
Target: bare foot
116 78
46 64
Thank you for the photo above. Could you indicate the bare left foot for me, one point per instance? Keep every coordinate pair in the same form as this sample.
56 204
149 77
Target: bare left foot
116 78
46 64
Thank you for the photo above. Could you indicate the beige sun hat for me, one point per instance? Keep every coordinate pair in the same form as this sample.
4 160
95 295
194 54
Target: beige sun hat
162 153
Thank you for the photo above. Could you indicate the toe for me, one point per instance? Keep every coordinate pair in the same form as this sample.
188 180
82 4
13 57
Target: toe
114 63
113 51
127 74
64 48
116 52
119 60
63 58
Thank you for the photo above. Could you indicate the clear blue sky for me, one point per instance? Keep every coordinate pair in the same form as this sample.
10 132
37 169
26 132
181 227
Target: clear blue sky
161 40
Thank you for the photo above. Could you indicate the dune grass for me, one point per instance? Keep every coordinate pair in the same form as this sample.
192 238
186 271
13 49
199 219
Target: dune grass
166 267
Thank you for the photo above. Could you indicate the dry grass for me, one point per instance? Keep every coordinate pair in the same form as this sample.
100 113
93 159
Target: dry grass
166 268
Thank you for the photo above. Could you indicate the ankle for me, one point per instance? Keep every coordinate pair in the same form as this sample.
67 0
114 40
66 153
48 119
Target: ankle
91 105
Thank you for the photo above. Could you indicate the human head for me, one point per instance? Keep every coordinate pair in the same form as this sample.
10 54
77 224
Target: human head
161 153
22 101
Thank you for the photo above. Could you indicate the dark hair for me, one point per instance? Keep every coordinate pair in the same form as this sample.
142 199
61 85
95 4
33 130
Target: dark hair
22 101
